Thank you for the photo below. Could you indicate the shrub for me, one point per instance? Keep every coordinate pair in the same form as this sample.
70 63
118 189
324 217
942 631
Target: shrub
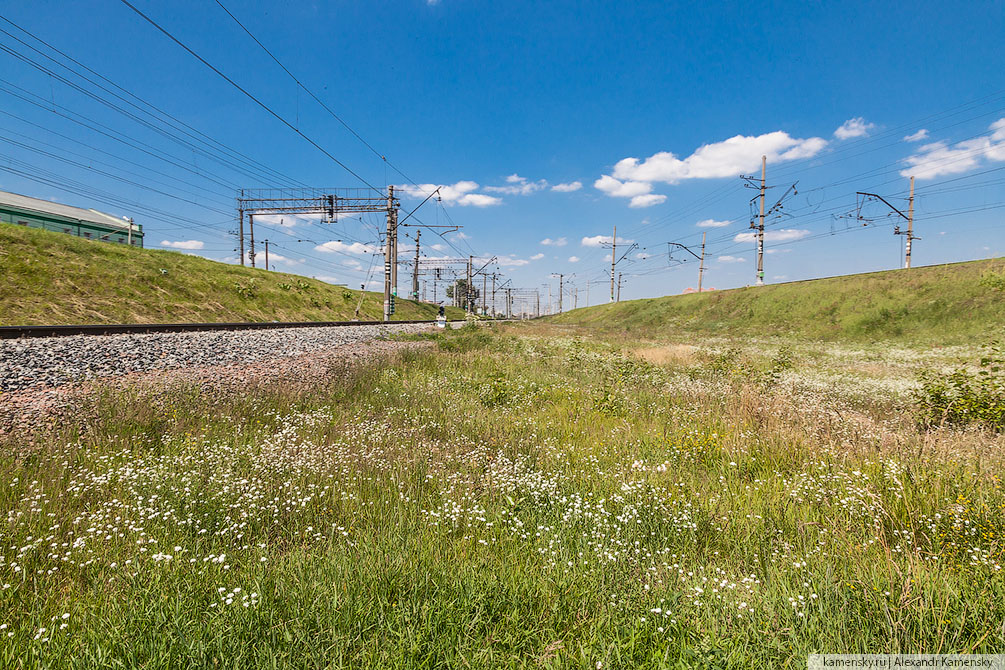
964 397
994 280
248 290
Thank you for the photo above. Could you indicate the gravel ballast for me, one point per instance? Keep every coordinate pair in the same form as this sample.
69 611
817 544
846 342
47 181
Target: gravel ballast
57 361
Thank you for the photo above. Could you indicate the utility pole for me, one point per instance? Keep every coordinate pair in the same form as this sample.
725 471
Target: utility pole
549 298
251 231
493 294
701 266
130 232
467 287
614 251
561 278
619 287
910 226
266 255
909 217
575 298
760 226
388 250
394 254
240 231
485 297
537 303
415 270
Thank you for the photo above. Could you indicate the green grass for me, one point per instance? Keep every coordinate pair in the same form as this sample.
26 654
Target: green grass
50 278
512 498
941 303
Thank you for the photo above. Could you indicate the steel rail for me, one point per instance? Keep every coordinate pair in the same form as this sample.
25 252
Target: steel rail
16 332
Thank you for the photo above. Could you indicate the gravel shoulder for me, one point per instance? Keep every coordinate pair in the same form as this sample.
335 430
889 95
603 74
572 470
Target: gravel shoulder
41 379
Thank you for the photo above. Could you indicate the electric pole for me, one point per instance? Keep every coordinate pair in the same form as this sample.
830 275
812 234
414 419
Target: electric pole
910 226
537 303
394 255
266 255
467 288
251 231
240 231
561 277
701 265
575 298
614 250
493 295
485 297
619 287
388 250
415 270
909 217
760 226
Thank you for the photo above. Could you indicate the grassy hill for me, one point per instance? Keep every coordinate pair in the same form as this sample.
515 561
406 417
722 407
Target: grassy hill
945 303
51 278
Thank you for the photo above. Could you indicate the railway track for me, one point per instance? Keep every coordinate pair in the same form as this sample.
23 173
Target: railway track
18 332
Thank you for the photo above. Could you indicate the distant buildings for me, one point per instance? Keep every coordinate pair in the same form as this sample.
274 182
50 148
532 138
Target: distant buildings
90 224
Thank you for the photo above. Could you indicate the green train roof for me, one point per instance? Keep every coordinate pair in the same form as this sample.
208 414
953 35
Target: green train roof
44 207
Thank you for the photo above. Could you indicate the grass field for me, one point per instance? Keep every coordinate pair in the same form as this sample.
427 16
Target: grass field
50 278
519 496
937 304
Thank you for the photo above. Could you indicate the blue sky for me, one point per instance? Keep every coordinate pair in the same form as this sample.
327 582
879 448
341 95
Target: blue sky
541 121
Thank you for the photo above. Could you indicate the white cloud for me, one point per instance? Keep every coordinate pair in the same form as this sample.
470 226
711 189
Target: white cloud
461 193
518 186
857 127
647 200
573 259
461 236
277 258
777 251
189 245
438 247
560 242
287 221
598 240
622 189
712 223
568 188
335 246
940 158
729 158
918 136
783 235
638 191
732 259
509 261
329 279
537 257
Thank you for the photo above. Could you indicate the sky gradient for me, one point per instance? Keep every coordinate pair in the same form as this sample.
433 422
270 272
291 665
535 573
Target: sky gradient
543 124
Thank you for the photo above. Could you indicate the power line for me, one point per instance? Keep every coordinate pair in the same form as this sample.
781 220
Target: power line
249 95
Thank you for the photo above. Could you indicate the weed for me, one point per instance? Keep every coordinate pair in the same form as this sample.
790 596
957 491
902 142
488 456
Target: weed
963 397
